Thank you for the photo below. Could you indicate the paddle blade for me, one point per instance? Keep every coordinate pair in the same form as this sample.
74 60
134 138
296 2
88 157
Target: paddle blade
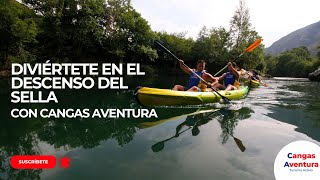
239 144
157 147
224 101
254 45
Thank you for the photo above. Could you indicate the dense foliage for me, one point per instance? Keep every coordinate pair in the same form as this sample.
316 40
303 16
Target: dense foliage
297 62
113 31
18 31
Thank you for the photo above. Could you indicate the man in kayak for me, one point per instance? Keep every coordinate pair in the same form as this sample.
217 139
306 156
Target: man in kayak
231 79
195 84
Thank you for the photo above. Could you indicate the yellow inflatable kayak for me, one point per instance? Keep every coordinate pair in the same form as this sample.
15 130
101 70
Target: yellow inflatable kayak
166 97
253 83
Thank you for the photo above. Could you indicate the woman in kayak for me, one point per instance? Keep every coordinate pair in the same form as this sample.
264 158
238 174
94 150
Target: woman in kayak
195 84
255 76
231 78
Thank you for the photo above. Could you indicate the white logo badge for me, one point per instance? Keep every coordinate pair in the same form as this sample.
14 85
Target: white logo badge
298 160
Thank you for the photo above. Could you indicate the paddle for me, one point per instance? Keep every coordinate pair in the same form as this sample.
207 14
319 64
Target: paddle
239 144
249 49
167 50
160 145
238 141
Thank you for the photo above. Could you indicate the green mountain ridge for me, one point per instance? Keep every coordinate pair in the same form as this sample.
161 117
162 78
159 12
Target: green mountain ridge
308 36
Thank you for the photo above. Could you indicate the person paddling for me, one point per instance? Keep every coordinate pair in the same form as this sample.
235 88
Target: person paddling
255 76
231 78
195 84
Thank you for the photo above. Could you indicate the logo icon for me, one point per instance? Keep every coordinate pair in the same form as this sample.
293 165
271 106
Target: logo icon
298 160
65 162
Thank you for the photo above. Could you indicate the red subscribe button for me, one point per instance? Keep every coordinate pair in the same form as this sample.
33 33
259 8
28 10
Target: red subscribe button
33 162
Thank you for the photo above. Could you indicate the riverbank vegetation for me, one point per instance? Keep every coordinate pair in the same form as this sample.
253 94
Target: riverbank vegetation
113 31
297 62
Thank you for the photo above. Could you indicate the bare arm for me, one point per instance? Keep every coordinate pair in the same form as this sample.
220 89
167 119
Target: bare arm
221 78
234 71
183 67
209 77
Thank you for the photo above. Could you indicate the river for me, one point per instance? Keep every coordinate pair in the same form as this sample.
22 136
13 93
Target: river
239 140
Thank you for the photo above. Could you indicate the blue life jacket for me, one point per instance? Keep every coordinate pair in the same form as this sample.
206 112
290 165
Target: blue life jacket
229 79
194 80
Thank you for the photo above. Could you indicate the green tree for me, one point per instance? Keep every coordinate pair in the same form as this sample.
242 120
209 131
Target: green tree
297 62
242 35
129 36
271 63
70 29
240 25
178 45
86 30
18 30
91 30
212 45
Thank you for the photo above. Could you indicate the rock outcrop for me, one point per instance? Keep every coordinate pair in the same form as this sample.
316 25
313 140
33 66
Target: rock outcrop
315 76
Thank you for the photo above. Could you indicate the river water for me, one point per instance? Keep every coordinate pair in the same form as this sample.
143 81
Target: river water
239 140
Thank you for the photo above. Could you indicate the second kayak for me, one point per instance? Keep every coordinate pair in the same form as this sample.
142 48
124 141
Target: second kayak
252 83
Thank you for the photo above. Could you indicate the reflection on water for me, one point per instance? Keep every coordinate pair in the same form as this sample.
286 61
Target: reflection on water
224 141
227 118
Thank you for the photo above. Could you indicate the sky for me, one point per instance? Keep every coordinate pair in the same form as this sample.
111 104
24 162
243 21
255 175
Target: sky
272 19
